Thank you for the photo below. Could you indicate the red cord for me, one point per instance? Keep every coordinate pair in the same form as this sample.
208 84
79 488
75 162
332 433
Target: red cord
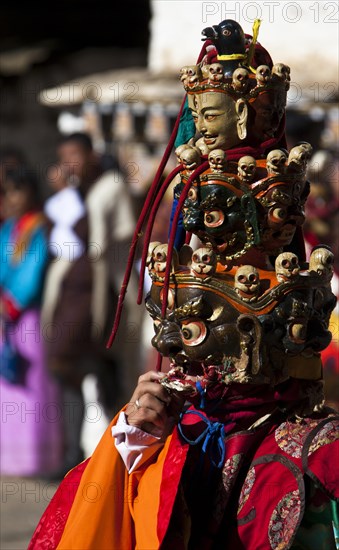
149 228
148 204
138 228
180 204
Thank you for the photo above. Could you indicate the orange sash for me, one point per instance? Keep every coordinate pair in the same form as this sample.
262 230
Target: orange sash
113 510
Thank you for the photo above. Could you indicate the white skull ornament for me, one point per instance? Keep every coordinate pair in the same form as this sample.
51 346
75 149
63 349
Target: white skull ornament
263 75
276 160
247 283
190 158
204 262
183 74
205 71
217 160
287 267
321 262
246 169
149 259
193 75
282 73
216 73
240 79
307 148
297 159
180 150
159 260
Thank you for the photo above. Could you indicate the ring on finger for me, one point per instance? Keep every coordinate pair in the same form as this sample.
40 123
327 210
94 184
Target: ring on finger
137 404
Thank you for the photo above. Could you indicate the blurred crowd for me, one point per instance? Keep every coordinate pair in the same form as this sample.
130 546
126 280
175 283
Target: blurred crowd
63 261
62 266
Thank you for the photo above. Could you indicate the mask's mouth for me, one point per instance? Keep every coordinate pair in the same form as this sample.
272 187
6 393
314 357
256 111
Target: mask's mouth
210 139
188 366
196 367
189 380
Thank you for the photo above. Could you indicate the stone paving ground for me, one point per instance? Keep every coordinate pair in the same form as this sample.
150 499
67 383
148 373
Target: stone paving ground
23 501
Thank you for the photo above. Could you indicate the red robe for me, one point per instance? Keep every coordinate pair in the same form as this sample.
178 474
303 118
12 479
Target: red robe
255 501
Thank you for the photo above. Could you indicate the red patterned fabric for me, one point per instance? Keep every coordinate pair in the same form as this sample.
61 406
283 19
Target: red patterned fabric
255 501
51 526
258 499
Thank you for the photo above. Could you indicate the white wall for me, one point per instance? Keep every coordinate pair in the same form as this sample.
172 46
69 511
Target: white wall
301 34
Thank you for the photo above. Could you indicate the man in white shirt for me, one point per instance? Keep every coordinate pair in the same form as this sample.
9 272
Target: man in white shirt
92 222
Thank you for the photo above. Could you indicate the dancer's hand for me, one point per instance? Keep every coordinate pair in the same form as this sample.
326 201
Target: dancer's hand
152 408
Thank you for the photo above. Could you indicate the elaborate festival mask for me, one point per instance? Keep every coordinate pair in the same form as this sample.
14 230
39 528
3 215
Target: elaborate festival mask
250 205
232 103
244 306
250 324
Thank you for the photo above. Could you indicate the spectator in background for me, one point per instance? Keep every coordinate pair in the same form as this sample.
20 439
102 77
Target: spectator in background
10 159
30 431
92 223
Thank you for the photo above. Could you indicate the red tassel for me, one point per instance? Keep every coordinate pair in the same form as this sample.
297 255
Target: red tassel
138 228
149 228
180 204
144 212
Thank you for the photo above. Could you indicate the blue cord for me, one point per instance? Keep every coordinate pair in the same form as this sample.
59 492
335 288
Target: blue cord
213 438
202 392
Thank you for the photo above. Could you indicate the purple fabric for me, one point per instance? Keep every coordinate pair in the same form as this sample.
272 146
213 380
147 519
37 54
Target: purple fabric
31 415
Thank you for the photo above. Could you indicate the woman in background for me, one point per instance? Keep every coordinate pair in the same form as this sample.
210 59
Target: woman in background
30 433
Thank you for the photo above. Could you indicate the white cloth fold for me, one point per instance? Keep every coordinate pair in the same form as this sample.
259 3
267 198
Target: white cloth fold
133 444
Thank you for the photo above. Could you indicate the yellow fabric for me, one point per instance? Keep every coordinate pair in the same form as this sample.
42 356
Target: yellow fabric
250 54
109 500
255 33
255 30
231 56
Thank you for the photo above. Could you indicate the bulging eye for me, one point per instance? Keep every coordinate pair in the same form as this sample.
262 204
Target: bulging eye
226 32
277 215
214 218
193 332
192 194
